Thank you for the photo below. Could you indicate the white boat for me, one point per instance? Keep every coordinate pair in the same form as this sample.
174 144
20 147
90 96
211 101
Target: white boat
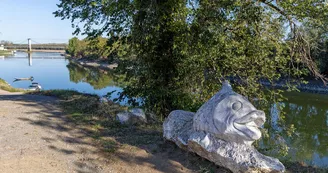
35 87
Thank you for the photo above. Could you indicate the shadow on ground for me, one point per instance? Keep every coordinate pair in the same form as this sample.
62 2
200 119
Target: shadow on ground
115 144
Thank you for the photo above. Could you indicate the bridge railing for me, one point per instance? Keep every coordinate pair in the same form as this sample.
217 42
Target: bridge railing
38 46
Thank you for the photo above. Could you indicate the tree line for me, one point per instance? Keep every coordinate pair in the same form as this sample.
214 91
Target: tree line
176 53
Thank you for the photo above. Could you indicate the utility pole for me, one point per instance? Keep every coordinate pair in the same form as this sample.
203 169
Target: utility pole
29 48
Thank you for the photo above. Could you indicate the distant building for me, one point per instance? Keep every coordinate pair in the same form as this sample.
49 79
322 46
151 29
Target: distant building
2 47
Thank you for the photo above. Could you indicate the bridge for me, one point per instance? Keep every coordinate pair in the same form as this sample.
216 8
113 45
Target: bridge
37 47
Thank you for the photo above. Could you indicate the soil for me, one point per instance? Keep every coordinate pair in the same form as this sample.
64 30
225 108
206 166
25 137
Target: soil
36 136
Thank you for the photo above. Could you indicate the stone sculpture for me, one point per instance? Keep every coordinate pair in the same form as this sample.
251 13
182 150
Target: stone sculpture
222 131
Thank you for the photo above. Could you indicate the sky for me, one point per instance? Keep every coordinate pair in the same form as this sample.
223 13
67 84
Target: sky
23 19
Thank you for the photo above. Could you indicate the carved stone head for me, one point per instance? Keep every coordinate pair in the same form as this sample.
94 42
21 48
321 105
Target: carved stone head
230 116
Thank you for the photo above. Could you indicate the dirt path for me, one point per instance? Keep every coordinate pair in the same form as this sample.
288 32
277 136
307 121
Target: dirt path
35 136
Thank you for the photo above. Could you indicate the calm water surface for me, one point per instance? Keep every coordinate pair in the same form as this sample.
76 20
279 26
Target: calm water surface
308 115
52 71
307 112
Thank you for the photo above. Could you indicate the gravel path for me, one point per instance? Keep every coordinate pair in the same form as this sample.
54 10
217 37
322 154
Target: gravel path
36 137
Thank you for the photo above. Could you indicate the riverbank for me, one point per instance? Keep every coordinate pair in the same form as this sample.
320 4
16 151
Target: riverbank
5 52
144 137
312 86
75 132
7 87
119 148
132 145
94 64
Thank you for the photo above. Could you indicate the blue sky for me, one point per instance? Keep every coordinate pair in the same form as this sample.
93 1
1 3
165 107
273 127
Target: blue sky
22 19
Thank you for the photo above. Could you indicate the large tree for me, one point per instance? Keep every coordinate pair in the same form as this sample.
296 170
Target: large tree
176 52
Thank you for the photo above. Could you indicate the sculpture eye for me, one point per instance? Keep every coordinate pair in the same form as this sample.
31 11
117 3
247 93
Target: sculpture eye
237 105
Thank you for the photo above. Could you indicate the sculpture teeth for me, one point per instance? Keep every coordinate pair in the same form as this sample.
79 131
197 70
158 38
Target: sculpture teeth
251 124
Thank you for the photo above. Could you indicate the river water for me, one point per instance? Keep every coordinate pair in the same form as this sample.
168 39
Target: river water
53 71
306 114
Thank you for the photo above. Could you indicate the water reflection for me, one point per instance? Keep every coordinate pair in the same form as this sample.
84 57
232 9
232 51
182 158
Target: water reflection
29 59
51 71
307 112
309 142
98 79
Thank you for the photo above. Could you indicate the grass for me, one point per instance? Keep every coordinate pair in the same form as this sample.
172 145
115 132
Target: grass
110 136
5 86
5 52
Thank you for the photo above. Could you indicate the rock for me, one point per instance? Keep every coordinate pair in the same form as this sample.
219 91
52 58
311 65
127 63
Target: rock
178 127
231 155
123 117
103 100
222 131
133 116
139 113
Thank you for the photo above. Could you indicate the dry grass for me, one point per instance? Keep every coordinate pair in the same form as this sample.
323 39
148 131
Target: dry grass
115 140
5 86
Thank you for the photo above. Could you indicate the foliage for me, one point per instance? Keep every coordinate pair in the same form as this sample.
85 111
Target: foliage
90 48
177 52
5 42
317 37
76 47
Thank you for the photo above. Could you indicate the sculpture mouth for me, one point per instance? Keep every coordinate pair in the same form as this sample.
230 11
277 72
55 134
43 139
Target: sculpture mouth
250 123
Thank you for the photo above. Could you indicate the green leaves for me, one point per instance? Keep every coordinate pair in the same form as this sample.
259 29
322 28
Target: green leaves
175 53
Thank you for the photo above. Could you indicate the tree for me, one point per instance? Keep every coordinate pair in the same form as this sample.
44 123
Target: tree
5 42
76 47
97 48
178 52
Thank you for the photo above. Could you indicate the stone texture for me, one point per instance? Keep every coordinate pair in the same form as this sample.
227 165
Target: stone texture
123 117
178 127
236 157
222 131
133 116
230 116
139 113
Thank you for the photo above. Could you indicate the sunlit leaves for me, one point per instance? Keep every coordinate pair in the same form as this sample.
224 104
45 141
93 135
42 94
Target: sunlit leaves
175 53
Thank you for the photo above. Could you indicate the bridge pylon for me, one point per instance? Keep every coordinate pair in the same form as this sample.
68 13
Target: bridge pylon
29 46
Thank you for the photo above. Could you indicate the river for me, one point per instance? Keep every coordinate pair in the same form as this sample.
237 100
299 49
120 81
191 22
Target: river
306 114
53 71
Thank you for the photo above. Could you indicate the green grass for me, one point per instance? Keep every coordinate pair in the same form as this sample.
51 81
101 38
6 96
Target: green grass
98 118
82 106
85 110
5 86
2 52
